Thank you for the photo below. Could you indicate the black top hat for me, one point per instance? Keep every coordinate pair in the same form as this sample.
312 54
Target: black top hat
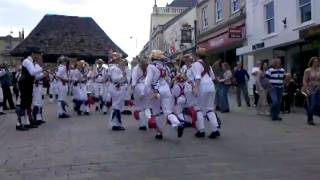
35 50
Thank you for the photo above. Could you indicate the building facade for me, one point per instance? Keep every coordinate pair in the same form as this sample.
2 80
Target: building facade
288 29
221 28
7 43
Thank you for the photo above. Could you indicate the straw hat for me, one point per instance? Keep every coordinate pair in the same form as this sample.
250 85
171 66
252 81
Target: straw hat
156 55
201 51
187 57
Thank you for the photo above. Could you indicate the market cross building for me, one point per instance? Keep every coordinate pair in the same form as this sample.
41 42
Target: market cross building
72 36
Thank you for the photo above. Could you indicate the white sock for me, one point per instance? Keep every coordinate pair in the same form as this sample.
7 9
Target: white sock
200 121
213 121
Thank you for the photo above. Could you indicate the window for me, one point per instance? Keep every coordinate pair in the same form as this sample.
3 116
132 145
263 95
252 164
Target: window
219 10
205 17
269 10
305 10
235 6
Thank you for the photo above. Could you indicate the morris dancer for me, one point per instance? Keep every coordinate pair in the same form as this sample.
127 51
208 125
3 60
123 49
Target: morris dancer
204 92
157 82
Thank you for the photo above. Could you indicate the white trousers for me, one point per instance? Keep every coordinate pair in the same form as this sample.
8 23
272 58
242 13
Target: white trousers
204 105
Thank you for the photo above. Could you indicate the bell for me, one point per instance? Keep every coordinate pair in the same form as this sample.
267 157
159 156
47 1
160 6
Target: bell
136 115
152 123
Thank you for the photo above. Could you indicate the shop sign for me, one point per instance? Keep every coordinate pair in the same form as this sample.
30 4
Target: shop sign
310 32
258 46
186 34
235 33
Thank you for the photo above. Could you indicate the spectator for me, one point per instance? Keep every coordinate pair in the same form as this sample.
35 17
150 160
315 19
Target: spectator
241 77
290 88
275 74
218 72
226 82
311 88
6 82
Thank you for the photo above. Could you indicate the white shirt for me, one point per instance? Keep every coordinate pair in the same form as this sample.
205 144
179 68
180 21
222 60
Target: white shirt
188 72
39 75
137 75
99 74
62 72
30 66
115 74
206 81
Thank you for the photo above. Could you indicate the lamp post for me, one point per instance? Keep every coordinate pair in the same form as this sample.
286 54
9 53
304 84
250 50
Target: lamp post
10 47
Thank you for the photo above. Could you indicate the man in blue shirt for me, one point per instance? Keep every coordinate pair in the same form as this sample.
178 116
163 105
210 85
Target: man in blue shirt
241 77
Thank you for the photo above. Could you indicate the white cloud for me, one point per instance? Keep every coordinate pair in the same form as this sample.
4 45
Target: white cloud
120 19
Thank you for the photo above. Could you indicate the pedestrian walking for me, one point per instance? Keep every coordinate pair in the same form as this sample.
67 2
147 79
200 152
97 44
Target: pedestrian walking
241 77
275 74
262 87
311 89
6 82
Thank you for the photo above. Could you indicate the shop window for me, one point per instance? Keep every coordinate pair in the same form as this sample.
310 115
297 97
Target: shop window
235 6
219 10
269 17
305 10
205 21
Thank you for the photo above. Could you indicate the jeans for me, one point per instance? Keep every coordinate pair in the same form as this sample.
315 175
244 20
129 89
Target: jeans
224 98
219 96
7 97
313 105
244 88
276 98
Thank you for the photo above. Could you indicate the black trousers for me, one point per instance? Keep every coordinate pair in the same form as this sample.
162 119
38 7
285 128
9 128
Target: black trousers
25 95
7 97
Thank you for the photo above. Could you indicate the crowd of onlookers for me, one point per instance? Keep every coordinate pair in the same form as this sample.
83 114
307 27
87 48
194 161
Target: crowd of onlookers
274 90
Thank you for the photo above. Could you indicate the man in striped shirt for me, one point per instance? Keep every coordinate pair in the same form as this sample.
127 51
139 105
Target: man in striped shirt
275 74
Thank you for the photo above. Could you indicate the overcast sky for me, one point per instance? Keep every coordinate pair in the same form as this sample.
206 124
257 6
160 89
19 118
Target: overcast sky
120 19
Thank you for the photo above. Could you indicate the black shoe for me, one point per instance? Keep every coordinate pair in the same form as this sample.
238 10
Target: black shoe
121 128
104 113
97 108
311 123
214 135
143 128
277 119
118 128
187 124
200 134
64 116
87 113
37 123
12 108
41 122
5 109
2 113
115 128
159 136
22 128
32 126
126 112
180 131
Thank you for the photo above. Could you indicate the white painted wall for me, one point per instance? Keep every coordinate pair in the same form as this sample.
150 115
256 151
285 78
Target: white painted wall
172 35
256 27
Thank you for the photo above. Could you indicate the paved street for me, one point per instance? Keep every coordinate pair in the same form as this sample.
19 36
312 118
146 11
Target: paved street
80 148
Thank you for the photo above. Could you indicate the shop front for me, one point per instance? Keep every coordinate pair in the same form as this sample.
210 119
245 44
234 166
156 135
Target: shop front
223 44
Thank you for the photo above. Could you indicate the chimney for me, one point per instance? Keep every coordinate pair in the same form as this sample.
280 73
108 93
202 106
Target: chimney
22 34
